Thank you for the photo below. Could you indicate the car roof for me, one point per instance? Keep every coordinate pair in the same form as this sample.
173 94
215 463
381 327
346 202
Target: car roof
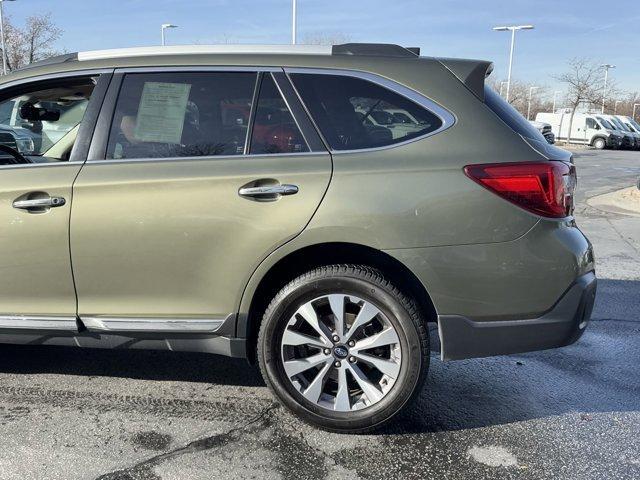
388 60
179 55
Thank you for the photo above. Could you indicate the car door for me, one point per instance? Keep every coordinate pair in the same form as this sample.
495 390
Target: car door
36 282
194 177
591 128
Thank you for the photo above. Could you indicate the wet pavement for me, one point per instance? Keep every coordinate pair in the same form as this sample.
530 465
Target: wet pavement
570 413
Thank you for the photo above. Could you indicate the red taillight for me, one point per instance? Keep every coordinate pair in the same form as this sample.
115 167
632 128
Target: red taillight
544 188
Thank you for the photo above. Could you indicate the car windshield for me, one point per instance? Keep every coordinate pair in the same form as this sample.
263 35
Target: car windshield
606 124
621 125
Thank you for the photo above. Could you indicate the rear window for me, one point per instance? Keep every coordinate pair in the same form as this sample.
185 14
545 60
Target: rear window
510 115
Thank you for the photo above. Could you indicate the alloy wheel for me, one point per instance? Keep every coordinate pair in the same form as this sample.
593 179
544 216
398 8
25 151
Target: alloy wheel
341 352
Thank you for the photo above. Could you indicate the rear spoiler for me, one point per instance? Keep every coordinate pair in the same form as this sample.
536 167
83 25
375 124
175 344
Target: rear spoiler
470 72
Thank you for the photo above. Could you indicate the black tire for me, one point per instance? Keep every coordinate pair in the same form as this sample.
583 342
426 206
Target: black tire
599 143
399 309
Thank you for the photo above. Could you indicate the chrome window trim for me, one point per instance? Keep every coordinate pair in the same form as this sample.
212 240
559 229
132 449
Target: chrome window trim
151 325
38 322
198 159
447 118
44 164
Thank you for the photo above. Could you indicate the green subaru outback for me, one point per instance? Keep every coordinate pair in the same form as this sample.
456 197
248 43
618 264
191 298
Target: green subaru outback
312 209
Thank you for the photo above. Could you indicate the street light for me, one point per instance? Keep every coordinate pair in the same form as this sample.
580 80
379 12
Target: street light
606 67
615 107
633 115
554 99
164 27
531 89
4 53
502 84
512 29
294 21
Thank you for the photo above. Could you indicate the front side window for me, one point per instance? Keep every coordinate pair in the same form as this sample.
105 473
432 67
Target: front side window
591 123
353 113
175 114
44 119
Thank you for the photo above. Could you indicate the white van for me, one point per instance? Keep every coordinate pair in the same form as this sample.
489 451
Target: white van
632 139
630 123
588 129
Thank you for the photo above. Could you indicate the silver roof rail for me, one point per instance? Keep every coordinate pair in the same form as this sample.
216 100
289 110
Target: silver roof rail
205 50
358 49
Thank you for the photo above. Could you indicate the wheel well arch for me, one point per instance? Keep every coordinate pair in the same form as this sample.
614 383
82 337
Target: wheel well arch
307 258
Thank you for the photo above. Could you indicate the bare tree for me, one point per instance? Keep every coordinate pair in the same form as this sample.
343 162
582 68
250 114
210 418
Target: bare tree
519 96
33 42
584 81
625 103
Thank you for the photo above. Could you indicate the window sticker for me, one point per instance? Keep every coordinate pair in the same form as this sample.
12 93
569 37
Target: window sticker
161 112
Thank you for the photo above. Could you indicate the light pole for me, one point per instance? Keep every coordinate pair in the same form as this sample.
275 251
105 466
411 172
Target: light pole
502 84
615 106
531 89
554 99
294 21
633 115
606 67
512 29
164 27
4 53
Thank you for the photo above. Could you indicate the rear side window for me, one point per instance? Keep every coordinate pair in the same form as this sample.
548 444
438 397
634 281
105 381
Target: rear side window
274 130
353 113
510 115
181 115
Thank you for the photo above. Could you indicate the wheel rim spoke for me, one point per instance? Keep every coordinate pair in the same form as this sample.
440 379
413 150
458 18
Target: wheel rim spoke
388 336
336 302
311 317
368 388
366 314
342 402
295 367
296 339
387 367
314 390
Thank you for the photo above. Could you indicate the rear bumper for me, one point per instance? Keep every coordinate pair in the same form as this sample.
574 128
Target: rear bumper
462 338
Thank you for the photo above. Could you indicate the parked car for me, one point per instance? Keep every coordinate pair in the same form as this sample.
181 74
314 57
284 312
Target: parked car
293 235
632 140
545 130
587 129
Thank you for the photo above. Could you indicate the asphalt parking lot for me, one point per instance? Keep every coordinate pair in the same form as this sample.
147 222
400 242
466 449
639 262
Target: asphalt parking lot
571 413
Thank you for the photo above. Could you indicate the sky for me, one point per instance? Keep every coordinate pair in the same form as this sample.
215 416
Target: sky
564 29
